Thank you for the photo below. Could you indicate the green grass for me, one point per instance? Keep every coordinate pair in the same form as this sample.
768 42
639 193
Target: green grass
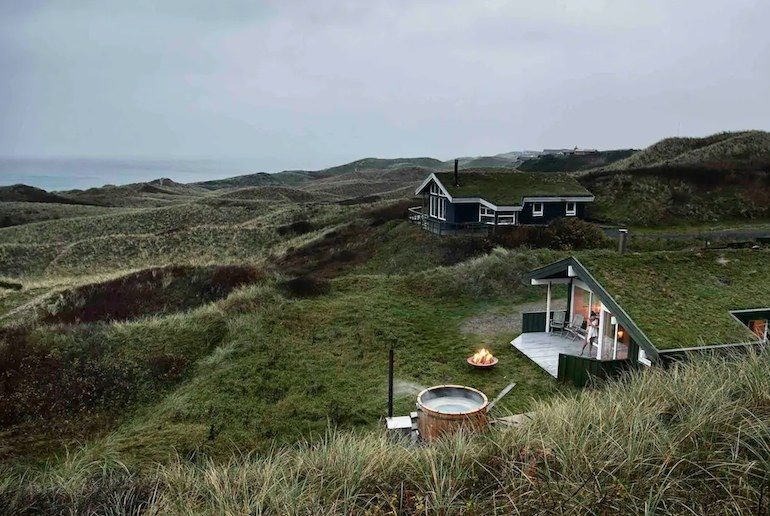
684 299
727 147
285 369
508 188
20 260
694 439
17 213
573 163
670 197
230 231
139 221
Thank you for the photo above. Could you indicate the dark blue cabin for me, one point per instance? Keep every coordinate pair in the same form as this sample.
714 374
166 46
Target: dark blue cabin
477 199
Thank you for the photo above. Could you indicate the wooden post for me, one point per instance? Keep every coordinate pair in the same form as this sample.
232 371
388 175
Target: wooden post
390 381
622 240
548 308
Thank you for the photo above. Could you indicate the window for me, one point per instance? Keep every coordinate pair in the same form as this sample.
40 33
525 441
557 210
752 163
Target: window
437 202
537 209
757 320
506 217
759 328
487 216
438 207
571 210
436 190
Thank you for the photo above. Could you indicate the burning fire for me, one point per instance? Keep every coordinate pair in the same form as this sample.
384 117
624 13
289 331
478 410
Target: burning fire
483 357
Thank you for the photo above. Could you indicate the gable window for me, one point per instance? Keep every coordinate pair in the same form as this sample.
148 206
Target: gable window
436 190
537 209
571 210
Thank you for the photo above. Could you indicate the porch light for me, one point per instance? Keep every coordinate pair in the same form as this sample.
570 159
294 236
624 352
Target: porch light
621 332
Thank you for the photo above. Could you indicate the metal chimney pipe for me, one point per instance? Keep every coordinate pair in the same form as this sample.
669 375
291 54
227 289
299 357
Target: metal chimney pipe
390 381
457 173
622 240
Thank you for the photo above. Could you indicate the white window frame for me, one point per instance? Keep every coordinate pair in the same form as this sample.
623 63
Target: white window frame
535 211
506 218
570 212
437 202
486 215
437 207
436 190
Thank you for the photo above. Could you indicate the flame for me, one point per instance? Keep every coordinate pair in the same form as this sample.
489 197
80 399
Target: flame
482 357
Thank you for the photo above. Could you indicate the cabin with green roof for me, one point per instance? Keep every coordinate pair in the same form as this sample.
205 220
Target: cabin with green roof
647 308
477 199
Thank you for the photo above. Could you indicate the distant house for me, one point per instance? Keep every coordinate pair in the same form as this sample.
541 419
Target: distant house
467 200
569 152
651 307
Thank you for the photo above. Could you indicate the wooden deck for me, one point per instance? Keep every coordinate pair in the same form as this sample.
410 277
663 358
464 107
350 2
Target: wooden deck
544 348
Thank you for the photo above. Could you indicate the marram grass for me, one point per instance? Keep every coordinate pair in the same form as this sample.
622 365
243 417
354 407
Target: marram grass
694 439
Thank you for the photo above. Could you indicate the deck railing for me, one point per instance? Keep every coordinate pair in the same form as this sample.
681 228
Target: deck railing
532 322
416 216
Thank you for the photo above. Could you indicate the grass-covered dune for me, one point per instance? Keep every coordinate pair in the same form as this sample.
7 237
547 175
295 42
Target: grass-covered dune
741 149
694 439
18 213
272 363
679 194
574 162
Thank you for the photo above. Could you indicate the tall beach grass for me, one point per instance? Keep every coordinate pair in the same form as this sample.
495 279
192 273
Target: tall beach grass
694 439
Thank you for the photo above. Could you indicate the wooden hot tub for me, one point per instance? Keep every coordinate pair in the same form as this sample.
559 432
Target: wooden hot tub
445 409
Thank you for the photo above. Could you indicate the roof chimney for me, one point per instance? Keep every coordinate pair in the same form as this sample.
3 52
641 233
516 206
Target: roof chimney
457 174
622 240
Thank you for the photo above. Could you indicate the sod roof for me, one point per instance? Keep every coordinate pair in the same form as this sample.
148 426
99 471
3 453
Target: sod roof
684 299
509 187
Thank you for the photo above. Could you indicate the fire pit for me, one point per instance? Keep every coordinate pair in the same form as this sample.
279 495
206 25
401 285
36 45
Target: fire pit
445 409
483 359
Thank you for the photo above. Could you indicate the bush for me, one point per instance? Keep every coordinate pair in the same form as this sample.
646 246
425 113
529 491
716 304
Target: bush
150 291
393 211
567 234
299 227
573 234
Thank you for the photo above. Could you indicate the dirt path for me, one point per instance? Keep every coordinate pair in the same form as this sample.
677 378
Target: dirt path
505 319
708 234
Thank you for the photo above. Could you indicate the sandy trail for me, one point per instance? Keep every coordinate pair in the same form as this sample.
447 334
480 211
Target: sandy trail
505 319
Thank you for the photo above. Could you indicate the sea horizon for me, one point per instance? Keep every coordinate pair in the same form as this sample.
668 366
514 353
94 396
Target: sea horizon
72 173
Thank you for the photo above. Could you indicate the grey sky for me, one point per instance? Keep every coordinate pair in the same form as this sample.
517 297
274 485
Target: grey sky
315 83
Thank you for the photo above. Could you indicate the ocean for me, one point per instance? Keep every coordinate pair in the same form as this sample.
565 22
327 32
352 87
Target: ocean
72 173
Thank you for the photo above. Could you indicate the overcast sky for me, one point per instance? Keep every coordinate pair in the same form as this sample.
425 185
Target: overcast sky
315 83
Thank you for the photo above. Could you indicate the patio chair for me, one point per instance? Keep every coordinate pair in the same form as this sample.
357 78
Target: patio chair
575 328
558 322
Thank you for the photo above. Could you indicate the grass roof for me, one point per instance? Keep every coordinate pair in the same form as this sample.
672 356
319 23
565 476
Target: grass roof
683 299
508 187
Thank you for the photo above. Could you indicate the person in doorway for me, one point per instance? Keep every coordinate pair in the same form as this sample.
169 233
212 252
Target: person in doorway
592 331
